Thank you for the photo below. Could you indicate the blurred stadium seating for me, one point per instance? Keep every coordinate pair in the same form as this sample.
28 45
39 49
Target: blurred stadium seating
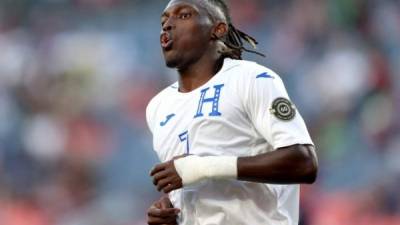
76 75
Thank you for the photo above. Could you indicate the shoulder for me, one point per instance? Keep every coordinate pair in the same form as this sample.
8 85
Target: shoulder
249 70
254 83
156 101
248 75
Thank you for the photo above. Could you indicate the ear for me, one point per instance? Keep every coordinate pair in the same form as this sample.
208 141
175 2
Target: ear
220 30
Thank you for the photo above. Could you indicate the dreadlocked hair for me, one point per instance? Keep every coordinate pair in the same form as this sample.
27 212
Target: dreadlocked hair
235 37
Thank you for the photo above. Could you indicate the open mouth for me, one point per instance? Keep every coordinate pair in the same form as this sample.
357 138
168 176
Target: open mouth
166 41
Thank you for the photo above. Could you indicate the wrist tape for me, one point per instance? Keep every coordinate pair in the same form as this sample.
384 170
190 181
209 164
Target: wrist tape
193 169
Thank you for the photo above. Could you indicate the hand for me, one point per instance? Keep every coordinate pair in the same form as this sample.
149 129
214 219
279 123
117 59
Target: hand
165 177
162 212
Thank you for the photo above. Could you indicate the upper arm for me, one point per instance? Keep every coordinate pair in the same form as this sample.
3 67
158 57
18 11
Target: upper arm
272 112
306 155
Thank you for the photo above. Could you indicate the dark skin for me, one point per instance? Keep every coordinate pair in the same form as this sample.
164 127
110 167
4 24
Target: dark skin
194 52
162 212
194 47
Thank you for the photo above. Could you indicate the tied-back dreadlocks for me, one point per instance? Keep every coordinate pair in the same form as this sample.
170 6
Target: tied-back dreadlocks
234 38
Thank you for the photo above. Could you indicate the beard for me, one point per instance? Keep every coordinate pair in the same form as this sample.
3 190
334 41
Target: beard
172 63
171 59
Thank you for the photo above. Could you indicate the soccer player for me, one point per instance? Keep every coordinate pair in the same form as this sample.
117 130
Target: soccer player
234 147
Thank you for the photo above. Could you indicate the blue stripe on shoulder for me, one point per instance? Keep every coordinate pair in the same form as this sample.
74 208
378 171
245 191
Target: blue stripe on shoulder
264 75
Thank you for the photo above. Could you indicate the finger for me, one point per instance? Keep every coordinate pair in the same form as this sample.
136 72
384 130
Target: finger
159 175
162 221
171 187
163 213
162 183
154 212
174 184
172 223
165 203
171 176
157 168
157 205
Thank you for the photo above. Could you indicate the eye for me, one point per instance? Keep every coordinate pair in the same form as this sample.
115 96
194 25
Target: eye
185 15
164 20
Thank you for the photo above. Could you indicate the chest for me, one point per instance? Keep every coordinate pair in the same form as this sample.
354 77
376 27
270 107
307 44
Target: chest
209 121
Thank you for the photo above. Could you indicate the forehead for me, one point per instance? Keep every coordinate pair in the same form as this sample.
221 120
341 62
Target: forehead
197 5
201 6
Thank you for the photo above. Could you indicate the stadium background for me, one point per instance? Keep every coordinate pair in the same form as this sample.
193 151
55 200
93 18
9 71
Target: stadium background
76 75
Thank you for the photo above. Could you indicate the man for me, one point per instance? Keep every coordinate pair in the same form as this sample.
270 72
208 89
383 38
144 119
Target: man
233 146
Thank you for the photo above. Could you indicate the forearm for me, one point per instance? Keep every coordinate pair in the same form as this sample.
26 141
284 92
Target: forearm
289 165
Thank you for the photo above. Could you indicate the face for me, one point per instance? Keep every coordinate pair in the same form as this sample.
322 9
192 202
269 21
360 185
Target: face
186 32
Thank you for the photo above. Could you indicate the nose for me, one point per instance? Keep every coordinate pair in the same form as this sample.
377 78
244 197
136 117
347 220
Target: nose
168 25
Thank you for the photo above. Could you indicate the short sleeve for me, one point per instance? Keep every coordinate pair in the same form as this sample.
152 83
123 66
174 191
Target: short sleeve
272 112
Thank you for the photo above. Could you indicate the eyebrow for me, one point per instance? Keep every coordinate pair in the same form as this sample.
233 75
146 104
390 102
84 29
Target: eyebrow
178 8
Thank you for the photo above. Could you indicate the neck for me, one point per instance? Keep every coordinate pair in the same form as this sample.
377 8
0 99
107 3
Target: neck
199 72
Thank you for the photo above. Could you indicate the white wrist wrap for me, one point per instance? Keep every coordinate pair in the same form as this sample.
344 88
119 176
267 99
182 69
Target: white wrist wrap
193 169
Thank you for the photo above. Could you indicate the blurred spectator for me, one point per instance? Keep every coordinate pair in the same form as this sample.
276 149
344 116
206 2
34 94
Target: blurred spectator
76 76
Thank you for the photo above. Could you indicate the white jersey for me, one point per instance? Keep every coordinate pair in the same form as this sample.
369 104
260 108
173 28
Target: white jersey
244 110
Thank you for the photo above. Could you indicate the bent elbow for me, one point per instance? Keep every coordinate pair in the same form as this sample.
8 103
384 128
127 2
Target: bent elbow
311 174
310 165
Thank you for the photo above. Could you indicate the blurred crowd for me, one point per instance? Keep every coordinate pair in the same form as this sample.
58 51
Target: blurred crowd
76 76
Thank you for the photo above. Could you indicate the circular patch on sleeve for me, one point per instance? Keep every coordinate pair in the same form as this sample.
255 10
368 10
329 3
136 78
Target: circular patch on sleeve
283 109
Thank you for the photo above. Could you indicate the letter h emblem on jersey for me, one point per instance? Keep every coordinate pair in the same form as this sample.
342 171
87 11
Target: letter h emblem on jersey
214 101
